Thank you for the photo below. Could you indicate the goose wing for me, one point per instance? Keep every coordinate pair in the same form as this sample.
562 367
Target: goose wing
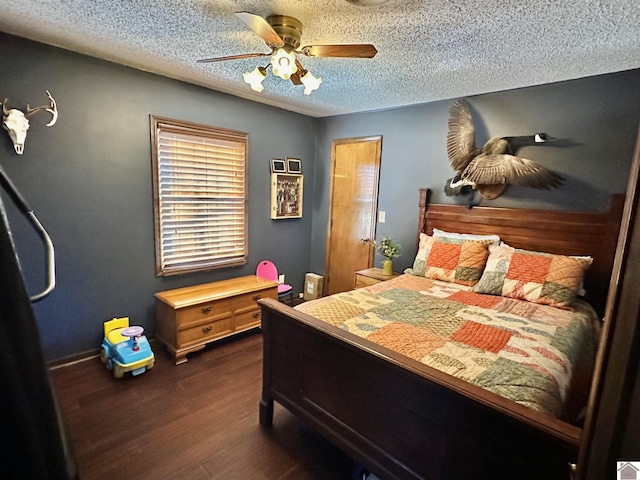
490 169
461 146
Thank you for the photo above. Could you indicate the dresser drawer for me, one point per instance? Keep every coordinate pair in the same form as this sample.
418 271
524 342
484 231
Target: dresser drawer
248 320
248 301
362 281
218 309
371 276
204 331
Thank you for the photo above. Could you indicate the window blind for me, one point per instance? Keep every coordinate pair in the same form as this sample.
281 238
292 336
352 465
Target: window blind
201 192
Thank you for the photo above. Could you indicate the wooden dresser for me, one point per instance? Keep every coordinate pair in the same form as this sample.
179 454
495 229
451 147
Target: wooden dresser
188 318
371 276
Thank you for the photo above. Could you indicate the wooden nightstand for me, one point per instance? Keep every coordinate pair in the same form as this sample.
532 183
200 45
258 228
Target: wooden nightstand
371 276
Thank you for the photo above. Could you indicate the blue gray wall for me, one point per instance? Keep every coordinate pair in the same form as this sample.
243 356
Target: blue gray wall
88 178
595 121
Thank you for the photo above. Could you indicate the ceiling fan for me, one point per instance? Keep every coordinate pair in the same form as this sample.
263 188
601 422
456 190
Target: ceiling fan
282 35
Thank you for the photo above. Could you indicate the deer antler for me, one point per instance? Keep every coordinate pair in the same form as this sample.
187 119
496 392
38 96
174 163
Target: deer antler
4 107
52 109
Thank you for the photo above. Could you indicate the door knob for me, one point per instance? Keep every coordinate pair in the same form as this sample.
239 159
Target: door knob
364 241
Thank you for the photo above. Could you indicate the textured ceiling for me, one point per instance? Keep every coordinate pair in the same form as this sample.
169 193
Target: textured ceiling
427 49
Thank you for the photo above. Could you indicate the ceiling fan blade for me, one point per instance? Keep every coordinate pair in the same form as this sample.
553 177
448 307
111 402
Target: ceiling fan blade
361 50
233 57
261 27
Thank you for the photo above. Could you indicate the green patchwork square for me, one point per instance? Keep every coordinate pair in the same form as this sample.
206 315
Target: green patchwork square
418 267
468 274
521 384
491 283
559 293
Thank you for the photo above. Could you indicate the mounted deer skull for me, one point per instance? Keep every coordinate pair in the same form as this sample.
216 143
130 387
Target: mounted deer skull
16 122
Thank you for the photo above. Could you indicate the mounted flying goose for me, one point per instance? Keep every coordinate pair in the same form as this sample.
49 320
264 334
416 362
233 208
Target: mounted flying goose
490 169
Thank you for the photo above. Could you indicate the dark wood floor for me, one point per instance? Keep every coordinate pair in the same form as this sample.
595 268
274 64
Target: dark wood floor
193 421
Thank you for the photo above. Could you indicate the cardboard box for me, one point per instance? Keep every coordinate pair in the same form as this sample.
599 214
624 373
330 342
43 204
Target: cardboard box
313 286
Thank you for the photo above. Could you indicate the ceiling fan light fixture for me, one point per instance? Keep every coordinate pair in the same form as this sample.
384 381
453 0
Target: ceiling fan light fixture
310 82
255 78
283 63
282 35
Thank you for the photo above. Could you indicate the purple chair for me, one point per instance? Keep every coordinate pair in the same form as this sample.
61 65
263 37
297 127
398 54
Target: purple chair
268 270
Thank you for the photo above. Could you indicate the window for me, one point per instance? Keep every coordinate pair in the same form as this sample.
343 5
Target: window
200 196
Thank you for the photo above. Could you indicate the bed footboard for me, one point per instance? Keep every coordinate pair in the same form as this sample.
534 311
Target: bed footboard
400 418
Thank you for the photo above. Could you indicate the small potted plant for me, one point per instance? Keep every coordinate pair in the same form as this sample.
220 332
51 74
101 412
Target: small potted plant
390 250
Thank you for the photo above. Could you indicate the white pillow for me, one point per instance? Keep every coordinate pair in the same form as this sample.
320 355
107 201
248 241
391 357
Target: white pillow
495 239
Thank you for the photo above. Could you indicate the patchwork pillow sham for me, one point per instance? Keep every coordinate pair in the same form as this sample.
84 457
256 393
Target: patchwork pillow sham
456 260
424 247
533 276
495 239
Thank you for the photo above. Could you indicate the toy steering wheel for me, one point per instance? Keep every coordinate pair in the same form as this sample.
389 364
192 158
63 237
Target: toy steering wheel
131 332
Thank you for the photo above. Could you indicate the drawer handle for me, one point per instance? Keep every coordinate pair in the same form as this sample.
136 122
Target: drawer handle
256 298
206 329
256 315
206 310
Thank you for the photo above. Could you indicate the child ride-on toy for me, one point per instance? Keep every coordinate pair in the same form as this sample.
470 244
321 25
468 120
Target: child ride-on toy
125 348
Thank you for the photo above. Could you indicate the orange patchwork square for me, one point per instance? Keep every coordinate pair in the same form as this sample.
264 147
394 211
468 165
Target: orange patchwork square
474 255
475 299
482 336
444 255
406 339
568 271
529 268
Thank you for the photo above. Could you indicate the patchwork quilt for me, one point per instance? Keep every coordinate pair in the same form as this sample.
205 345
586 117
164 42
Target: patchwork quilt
523 351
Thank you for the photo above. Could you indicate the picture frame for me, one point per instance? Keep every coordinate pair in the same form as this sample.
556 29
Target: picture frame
286 195
278 165
294 165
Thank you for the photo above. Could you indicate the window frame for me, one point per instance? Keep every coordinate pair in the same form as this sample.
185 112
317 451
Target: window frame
159 124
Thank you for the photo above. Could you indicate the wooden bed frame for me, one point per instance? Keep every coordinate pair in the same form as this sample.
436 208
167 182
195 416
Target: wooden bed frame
405 420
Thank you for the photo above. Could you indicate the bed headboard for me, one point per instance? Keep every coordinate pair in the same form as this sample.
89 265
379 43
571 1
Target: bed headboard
552 231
